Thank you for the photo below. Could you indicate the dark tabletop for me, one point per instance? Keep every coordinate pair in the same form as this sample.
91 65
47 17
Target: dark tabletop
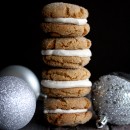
38 123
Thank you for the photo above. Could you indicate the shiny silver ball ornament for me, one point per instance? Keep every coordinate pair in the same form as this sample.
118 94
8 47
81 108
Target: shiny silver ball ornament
111 100
25 74
17 103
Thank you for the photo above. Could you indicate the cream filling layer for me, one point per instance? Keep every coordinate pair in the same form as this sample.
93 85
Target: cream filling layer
66 20
66 84
66 111
80 53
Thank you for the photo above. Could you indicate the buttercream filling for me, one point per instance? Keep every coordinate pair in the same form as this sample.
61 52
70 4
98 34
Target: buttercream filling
80 53
66 111
66 84
66 20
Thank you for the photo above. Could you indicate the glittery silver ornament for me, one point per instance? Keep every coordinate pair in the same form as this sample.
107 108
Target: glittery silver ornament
111 100
17 103
25 74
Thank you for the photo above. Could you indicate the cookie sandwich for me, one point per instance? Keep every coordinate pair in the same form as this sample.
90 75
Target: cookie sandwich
67 111
65 20
66 52
66 82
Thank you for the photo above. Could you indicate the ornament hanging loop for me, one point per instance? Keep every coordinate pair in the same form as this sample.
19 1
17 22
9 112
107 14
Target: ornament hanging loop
101 122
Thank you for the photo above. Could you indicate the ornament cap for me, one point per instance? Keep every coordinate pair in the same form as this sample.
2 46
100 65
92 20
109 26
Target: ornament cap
101 122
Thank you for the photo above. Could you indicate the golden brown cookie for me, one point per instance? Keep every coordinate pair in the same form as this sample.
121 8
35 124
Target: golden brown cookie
66 92
65 20
67 103
67 111
66 43
65 30
73 119
64 10
66 52
66 61
58 74
66 82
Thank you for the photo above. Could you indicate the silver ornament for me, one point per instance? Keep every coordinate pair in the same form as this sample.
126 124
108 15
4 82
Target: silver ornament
17 103
111 100
25 74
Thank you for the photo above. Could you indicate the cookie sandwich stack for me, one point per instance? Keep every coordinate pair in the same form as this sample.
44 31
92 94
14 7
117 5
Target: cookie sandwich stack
66 52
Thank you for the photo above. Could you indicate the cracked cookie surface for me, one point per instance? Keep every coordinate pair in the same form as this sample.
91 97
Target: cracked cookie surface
67 103
66 43
66 61
64 10
68 119
73 119
66 74
65 30
66 92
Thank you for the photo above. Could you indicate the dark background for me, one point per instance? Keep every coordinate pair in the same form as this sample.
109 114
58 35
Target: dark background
20 34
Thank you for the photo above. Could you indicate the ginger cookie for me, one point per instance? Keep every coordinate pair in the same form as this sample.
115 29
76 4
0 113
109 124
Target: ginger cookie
66 43
65 20
67 111
66 52
66 82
